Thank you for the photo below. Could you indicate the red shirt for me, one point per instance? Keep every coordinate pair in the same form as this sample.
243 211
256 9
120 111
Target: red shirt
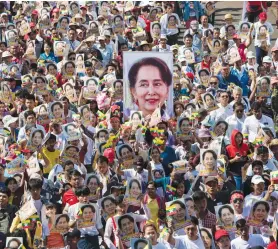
69 198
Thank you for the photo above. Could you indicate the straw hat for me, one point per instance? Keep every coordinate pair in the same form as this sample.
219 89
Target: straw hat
78 16
274 142
145 43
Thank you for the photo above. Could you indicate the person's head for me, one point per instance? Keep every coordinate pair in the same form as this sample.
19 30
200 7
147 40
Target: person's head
211 185
150 232
226 215
192 229
30 101
200 201
209 100
134 188
150 79
5 193
242 229
68 166
35 187
102 135
88 212
30 117
62 222
178 108
83 194
258 184
93 183
102 164
260 211
224 98
238 108
236 200
257 110
69 67
207 238
225 70
118 86
151 190
184 125
222 239
75 179
126 224
125 152
257 167
108 205
262 154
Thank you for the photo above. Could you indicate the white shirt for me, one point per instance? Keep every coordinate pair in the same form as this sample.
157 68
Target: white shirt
184 242
22 134
245 102
254 240
251 126
234 123
270 165
221 113
131 173
270 30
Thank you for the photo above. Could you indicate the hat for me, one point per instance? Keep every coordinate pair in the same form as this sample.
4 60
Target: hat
174 47
35 12
274 49
236 36
109 154
6 54
101 38
250 55
56 10
210 179
83 7
4 14
8 119
257 179
204 133
35 176
74 24
220 233
106 33
79 16
145 43
267 59
162 36
263 16
228 16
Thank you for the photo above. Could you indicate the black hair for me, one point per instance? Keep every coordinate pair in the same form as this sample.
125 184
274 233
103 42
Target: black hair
188 36
194 220
74 173
88 64
84 191
181 120
223 207
256 106
6 191
267 208
114 83
262 150
29 113
207 232
88 206
107 198
124 146
91 177
62 216
241 223
30 97
8 180
138 113
199 195
222 122
14 240
257 163
56 103
102 159
132 181
126 216
35 183
51 64
140 241
210 151
237 104
164 70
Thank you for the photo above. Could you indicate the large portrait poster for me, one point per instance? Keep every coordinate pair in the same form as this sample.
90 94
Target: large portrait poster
148 81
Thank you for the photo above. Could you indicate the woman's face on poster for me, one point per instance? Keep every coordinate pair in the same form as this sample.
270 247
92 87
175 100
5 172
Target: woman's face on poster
92 84
118 87
150 90
190 207
245 28
37 138
209 161
227 217
69 69
57 111
86 114
260 213
209 101
172 21
64 23
184 127
156 29
180 213
135 190
88 214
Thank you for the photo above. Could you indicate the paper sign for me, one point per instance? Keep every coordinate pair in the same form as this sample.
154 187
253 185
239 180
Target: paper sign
27 210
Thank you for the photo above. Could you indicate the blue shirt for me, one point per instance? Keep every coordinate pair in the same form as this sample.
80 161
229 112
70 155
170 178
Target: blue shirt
224 83
168 156
50 57
243 77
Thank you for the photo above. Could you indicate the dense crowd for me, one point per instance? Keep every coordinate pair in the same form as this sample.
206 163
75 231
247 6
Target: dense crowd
128 124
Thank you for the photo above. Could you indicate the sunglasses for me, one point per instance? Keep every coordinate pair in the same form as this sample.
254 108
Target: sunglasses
237 200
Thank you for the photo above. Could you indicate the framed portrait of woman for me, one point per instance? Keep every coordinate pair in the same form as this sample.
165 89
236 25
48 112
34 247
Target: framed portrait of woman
148 82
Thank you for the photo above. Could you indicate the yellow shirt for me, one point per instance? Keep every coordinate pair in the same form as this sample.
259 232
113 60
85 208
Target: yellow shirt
153 207
53 158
